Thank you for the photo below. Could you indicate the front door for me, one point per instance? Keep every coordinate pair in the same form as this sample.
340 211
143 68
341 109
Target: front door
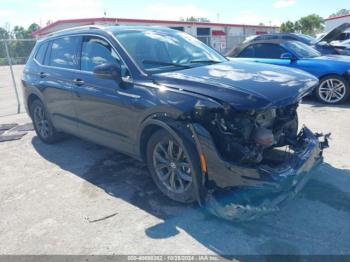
102 109
271 54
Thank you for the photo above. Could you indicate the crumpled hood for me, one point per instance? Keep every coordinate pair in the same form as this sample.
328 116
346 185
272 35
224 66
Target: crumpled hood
333 34
244 85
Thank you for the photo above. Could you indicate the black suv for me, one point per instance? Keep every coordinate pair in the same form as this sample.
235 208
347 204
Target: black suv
209 129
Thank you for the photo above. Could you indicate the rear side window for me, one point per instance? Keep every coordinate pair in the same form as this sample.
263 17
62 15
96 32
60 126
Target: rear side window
271 51
269 37
288 37
40 54
64 52
258 38
247 52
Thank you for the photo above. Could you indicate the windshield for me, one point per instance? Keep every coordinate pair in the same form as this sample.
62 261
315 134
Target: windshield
301 50
165 50
308 39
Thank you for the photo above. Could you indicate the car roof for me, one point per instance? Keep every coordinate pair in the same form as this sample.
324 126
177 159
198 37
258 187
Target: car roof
121 29
293 34
112 29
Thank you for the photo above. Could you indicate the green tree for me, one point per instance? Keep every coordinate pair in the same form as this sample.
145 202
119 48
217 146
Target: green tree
19 32
287 27
297 26
341 12
311 24
3 33
32 28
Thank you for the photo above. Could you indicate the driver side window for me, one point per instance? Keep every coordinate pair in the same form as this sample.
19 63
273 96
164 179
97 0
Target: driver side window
96 51
271 51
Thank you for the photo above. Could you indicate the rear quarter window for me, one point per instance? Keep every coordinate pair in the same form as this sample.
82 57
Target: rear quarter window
40 54
247 52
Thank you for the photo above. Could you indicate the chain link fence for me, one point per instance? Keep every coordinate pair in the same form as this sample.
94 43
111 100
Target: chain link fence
223 44
15 52
13 56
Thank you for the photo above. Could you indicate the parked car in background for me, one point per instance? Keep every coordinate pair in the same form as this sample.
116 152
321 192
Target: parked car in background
324 43
333 71
330 42
342 37
343 46
210 130
308 40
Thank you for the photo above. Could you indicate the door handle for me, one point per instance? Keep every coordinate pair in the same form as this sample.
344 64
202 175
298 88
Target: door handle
78 82
42 75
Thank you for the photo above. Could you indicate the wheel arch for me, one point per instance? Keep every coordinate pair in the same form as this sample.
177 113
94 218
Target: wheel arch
174 126
331 74
31 98
181 131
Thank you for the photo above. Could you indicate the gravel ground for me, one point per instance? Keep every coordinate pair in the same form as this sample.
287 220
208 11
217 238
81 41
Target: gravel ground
8 102
79 198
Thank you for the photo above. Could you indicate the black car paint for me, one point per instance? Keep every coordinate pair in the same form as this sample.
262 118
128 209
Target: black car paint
121 115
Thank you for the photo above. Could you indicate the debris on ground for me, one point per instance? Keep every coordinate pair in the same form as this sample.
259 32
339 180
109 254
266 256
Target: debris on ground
13 131
101 219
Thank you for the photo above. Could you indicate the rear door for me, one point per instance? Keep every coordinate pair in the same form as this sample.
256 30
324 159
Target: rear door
57 81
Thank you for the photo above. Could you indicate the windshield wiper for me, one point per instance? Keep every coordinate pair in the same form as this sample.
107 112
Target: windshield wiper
204 62
164 63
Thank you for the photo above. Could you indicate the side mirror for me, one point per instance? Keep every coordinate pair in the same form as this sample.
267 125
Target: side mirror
288 56
108 71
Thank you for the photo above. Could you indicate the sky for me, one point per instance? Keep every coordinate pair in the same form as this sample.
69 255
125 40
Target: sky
269 12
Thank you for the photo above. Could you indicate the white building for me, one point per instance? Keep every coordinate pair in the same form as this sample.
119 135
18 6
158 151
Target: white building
219 35
333 22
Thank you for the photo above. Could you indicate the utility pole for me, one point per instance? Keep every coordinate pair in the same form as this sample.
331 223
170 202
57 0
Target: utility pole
13 76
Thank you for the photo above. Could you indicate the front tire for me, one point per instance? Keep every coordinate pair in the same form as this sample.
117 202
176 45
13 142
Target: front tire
42 123
173 166
333 89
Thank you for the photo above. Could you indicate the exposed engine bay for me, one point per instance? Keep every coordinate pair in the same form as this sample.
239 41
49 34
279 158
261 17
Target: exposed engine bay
256 160
246 137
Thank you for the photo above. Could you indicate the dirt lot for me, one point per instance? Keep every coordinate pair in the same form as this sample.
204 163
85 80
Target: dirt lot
79 198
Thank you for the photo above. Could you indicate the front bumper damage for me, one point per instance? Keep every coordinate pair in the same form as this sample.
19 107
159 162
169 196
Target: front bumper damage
238 192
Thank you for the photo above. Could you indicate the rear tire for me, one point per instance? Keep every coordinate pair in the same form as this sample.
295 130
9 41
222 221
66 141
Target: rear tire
333 90
42 123
173 166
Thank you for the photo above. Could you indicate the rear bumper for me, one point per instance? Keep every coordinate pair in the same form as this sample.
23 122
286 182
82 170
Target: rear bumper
245 192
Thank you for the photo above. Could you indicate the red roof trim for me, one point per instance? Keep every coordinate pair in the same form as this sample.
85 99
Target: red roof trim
126 20
218 32
337 17
129 20
87 21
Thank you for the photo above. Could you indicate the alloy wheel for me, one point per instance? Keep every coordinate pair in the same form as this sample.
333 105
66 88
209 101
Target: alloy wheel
172 166
41 122
332 90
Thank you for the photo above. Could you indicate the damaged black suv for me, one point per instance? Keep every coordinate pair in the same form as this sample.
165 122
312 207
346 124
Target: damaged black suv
224 134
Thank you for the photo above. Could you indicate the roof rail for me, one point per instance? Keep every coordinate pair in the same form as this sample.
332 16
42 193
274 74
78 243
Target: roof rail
76 28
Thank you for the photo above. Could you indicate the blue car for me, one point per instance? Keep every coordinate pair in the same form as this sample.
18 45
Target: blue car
333 71
326 45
